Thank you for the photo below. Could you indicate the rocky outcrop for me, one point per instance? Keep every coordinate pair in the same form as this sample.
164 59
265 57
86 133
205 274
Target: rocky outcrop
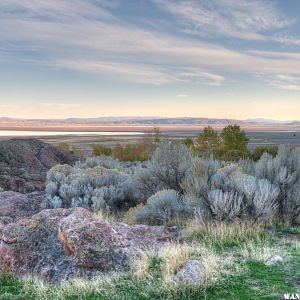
25 162
15 206
59 244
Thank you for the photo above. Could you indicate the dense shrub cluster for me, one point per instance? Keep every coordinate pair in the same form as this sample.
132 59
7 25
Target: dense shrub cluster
174 183
283 171
94 184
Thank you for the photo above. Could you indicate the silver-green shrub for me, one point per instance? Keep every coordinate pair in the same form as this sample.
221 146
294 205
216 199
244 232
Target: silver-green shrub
176 182
283 171
168 166
225 206
96 188
227 193
96 161
161 207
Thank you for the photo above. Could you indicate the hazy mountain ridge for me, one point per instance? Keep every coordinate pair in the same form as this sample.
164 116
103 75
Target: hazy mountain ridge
145 121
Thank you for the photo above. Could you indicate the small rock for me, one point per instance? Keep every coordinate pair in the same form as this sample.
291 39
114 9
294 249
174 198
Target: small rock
192 273
273 260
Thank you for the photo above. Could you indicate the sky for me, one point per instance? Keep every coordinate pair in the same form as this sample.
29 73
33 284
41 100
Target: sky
204 58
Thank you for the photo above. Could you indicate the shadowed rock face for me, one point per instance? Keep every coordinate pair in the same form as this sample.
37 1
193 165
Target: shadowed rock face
25 162
60 244
15 206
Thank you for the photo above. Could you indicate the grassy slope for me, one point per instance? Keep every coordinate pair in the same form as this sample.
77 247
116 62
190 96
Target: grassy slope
255 281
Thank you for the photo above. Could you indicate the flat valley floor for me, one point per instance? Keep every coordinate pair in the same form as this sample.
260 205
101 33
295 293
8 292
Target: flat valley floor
85 142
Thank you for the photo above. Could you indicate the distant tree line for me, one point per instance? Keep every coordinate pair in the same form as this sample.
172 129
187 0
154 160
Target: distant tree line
140 151
231 144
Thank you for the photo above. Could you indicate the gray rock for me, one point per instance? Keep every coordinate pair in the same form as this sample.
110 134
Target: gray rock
274 260
191 273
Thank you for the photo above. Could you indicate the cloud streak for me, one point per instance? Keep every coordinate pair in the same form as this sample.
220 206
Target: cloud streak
86 37
282 81
141 73
243 19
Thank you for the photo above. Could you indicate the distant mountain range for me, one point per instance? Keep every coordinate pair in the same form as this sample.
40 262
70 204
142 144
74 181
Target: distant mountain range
145 121
271 121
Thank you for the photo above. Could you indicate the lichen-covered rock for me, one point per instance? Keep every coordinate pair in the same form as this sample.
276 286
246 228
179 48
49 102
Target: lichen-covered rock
59 244
15 206
191 273
24 163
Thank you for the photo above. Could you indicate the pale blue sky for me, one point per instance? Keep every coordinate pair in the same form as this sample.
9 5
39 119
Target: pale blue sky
205 58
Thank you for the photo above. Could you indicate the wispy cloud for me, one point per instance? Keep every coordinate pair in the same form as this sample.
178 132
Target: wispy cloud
282 81
85 36
55 9
141 72
243 19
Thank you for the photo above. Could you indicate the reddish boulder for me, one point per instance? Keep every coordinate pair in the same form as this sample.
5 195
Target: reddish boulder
59 244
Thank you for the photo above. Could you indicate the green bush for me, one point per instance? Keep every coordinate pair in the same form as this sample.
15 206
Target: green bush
140 151
260 150
207 142
230 145
101 150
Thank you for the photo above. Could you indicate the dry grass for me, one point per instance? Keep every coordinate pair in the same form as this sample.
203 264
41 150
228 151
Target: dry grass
174 255
224 234
128 216
106 216
260 252
77 287
140 265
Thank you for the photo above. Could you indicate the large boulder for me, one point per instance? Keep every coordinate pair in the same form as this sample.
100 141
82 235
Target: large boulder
25 162
59 244
15 206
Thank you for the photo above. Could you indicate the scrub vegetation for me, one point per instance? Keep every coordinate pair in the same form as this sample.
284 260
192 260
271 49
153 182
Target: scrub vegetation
234 210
